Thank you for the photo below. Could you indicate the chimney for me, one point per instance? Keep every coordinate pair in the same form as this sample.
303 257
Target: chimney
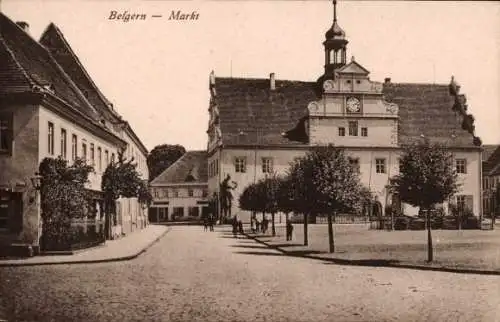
387 80
24 25
272 81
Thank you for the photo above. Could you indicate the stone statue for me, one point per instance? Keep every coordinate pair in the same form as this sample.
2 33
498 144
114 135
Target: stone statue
226 196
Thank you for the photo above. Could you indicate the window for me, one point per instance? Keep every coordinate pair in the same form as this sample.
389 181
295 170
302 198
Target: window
353 128
204 193
216 166
99 158
240 165
193 211
341 131
175 192
354 162
74 147
358 81
156 193
178 212
112 158
4 211
63 143
461 165
267 165
92 156
84 151
364 131
190 192
380 165
106 157
465 202
50 139
5 133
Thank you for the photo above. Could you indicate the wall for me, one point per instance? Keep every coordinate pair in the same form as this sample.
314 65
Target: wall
381 132
82 134
369 177
164 197
17 170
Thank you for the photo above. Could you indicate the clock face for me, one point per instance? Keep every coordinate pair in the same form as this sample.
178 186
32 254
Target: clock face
353 104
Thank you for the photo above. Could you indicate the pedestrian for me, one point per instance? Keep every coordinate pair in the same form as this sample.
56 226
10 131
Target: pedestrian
289 231
205 223
252 225
240 226
257 225
235 226
211 221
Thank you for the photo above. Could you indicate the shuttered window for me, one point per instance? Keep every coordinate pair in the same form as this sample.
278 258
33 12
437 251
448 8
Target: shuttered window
6 136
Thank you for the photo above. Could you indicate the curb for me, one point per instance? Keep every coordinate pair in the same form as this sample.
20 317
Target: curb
89 261
347 262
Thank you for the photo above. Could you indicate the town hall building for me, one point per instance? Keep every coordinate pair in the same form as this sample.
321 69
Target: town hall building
258 126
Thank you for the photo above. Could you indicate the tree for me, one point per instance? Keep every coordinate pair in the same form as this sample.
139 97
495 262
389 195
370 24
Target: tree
248 199
121 179
63 198
269 188
285 198
427 177
162 157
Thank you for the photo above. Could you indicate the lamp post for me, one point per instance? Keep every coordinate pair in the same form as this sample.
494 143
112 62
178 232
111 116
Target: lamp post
36 182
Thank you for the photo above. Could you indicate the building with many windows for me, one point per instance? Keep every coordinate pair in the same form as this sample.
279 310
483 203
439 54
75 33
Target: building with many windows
181 191
50 107
257 126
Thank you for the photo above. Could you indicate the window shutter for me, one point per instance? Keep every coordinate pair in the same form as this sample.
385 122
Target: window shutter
15 220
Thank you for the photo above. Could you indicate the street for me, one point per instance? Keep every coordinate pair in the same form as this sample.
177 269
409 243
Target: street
192 275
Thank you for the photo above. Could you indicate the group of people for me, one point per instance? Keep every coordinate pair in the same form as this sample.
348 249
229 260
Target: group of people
209 222
257 226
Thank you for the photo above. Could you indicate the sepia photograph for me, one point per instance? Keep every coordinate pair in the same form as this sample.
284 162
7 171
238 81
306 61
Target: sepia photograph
259 160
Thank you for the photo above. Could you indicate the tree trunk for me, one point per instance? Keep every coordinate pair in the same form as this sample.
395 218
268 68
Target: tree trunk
430 252
272 225
330 233
286 225
306 218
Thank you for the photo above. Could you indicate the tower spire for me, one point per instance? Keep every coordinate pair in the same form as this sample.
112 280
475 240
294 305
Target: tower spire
334 10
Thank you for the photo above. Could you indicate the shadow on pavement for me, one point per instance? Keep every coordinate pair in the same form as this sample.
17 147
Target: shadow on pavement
360 262
303 252
286 245
250 246
260 253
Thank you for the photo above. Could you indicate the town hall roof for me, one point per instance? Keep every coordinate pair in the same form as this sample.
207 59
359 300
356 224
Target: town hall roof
192 167
250 112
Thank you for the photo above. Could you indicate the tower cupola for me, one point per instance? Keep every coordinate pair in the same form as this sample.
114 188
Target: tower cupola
335 46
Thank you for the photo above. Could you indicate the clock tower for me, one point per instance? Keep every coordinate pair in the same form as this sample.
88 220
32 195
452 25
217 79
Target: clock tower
335 46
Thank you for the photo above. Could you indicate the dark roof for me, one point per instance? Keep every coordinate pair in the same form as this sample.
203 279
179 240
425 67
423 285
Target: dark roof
492 165
250 113
488 150
25 63
192 167
427 109
55 42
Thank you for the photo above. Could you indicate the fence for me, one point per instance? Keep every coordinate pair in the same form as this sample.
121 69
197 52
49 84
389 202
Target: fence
83 233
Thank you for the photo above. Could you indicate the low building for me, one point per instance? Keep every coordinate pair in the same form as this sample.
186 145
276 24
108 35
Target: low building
50 107
181 191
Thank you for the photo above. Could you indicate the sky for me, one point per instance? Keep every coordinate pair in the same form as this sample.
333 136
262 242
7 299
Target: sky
156 71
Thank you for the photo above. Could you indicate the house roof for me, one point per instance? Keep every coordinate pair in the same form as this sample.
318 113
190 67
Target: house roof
55 42
493 163
25 63
192 167
251 113
488 150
